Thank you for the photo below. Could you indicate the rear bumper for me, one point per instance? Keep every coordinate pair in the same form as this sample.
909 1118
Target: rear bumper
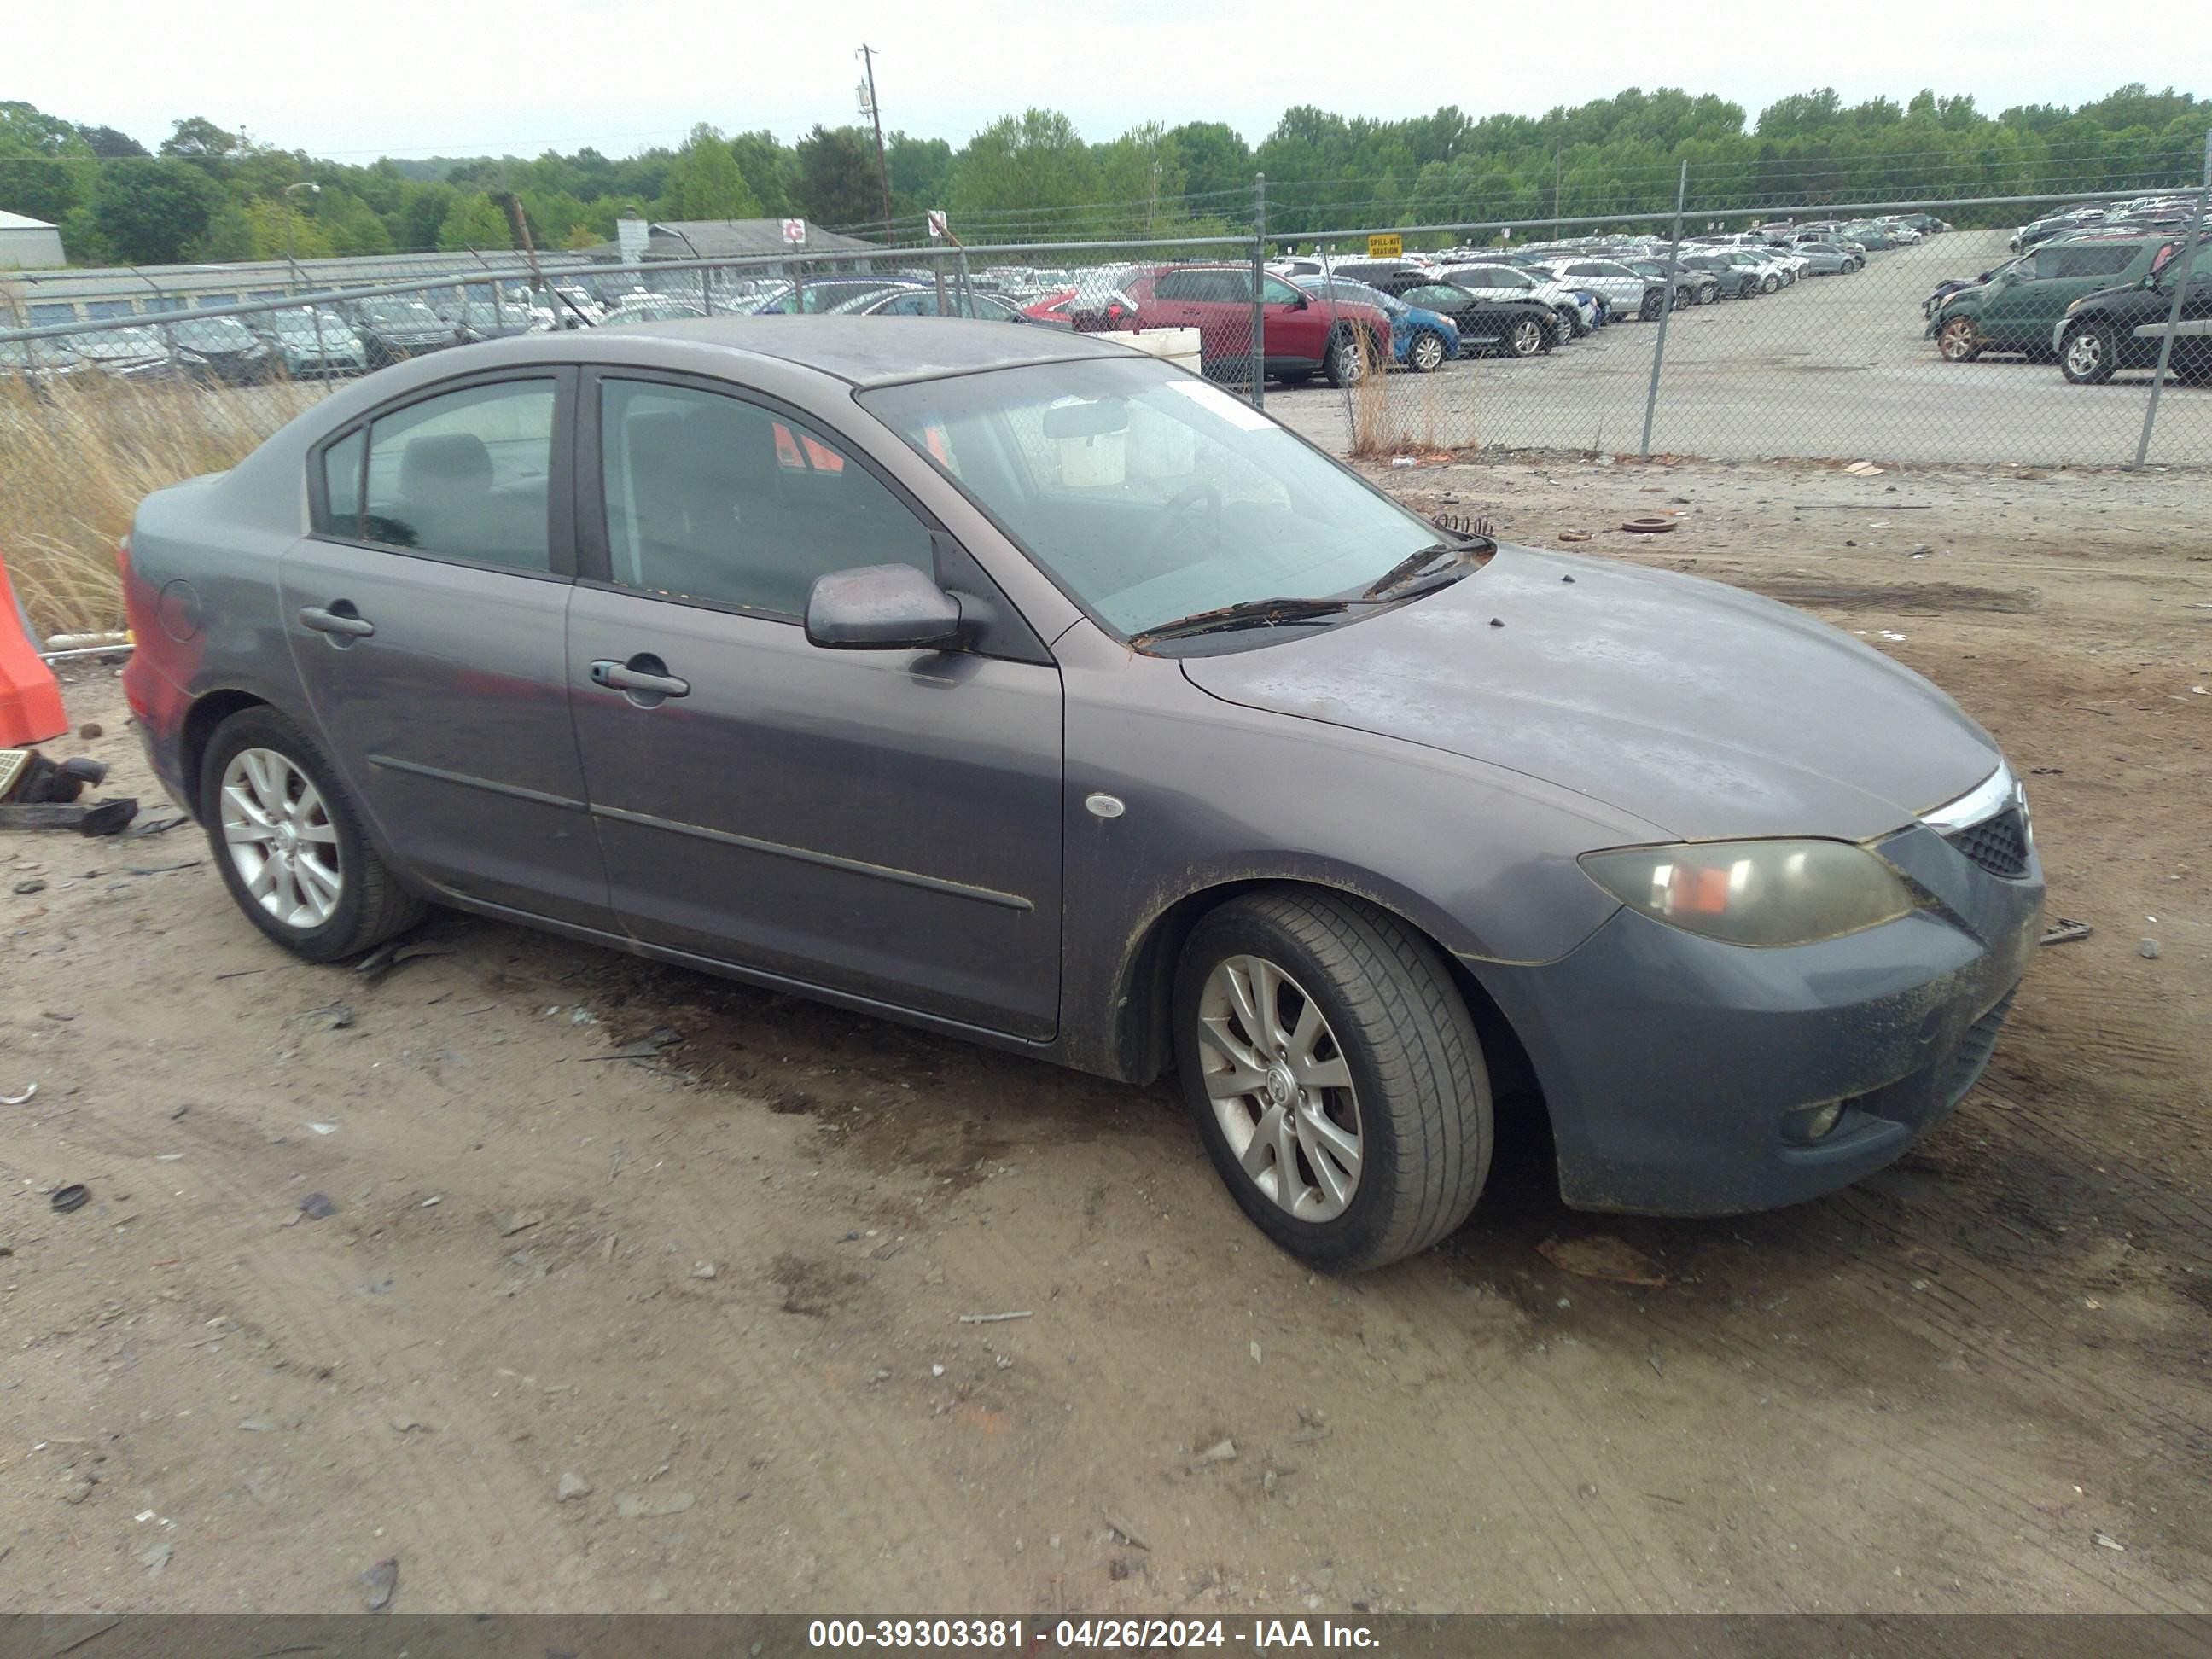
1670 1063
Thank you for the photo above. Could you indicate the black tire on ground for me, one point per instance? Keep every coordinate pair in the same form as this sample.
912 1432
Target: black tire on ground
372 906
1423 1113
1526 337
2088 354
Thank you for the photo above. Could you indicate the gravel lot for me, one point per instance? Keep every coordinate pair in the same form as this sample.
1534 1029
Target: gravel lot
722 1285
1833 366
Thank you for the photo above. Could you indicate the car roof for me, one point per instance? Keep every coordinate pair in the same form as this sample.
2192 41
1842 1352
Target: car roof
869 351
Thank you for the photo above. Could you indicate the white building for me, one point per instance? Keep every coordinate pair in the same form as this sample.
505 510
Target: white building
28 244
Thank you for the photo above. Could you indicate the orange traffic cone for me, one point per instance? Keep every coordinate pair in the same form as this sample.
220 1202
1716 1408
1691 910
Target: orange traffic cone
30 697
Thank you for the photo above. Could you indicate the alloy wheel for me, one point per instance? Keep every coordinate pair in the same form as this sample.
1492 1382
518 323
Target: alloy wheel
2085 354
280 840
1280 1088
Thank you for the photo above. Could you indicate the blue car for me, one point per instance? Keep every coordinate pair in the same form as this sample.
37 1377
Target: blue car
1423 341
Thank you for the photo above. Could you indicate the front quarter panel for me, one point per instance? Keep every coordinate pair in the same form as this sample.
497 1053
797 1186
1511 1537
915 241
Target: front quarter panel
1212 794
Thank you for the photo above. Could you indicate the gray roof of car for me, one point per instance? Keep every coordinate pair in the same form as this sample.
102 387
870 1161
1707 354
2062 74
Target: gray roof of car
869 351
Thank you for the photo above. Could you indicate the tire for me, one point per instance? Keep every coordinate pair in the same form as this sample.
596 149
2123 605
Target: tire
1343 365
1769 283
1416 1107
1570 322
1651 306
1525 338
1959 340
299 910
1425 353
2088 354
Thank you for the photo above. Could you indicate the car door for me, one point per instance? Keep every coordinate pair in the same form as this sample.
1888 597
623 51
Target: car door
884 824
1295 326
425 612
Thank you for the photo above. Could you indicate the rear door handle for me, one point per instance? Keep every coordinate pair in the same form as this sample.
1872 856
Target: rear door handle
642 676
335 621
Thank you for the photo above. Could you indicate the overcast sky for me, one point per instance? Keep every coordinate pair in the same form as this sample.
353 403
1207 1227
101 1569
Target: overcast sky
409 78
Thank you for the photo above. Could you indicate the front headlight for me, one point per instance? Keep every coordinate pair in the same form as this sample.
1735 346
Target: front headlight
1755 893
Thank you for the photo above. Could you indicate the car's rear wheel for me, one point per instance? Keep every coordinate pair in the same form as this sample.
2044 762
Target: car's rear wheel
290 844
1959 340
1769 284
1335 1075
1425 353
2089 355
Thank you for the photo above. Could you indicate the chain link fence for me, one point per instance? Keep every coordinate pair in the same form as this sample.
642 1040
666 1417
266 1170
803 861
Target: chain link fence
1884 332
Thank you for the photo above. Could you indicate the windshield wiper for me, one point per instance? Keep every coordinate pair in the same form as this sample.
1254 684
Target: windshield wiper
1419 561
1245 613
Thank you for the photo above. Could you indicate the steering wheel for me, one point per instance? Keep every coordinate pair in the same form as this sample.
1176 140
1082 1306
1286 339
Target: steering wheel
1183 505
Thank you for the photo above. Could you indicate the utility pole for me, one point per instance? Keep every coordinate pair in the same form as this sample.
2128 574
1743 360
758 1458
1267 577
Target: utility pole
874 114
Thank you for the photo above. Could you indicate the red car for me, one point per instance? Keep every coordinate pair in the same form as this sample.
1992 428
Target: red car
1107 298
1301 333
1053 309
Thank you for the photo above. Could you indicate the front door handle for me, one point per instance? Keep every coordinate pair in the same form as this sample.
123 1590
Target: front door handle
644 676
340 619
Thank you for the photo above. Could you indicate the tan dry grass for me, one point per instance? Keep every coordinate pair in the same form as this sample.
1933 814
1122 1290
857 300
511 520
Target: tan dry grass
77 454
1394 411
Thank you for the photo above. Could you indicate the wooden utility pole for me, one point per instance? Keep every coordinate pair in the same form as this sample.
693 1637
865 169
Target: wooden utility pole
876 114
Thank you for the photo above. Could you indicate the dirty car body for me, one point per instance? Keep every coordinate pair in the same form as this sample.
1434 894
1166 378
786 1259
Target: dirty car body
991 739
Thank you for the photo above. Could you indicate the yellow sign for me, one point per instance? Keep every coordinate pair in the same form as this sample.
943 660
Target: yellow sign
1386 247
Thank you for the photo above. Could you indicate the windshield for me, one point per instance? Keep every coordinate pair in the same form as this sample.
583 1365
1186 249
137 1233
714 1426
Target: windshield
1148 494
401 313
1491 276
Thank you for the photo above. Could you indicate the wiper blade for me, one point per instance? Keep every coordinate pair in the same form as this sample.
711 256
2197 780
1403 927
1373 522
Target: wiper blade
1245 613
1420 559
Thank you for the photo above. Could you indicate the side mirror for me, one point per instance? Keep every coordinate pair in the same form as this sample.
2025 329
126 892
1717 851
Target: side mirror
1300 303
881 607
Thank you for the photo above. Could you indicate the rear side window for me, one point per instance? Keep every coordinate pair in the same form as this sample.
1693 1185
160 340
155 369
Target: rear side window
2084 259
342 484
464 475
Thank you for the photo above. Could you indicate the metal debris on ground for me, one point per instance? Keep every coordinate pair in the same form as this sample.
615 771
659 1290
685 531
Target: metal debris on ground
1604 1256
994 1319
2064 932
17 1100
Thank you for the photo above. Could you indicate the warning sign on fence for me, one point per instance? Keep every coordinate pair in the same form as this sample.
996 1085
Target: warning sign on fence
1386 247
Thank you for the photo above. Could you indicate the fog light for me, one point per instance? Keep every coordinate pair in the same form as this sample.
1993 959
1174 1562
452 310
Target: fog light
1809 1123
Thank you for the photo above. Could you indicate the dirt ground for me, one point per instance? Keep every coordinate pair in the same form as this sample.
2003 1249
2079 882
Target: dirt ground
724 1285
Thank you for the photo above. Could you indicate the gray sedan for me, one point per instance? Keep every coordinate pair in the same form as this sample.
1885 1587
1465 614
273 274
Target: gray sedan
1022 687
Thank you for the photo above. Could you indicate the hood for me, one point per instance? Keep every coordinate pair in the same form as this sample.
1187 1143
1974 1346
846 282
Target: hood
1698 707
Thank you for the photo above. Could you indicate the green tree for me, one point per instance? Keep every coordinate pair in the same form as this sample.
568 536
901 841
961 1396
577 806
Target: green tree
111 145
147 212
706 182
44 187
199 140
474 221
839 183
1021 164
770 169
28 131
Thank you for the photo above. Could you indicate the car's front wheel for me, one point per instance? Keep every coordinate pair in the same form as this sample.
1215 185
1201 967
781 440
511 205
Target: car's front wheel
1335 1075
290 844
1959 340
2088 357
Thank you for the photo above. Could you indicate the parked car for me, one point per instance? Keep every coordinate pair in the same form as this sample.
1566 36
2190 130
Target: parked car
1301 335
922 302
1736 282
1513 328
1421 340
1827 259
477 317
33 361
1126 732
222 350
312 343
644 307
1950 285
130 352
1487 281
1053 309
1627 293
2119 328
1768 275
2020 309
1692 286
1109 296
393 330
825 294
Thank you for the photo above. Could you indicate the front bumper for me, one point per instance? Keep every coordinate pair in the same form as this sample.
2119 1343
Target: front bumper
1669 1062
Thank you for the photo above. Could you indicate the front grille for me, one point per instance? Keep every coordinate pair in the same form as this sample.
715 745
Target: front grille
1974 1051
1998 844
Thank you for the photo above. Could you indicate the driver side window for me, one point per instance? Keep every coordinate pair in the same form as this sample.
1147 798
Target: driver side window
712 499
1277 292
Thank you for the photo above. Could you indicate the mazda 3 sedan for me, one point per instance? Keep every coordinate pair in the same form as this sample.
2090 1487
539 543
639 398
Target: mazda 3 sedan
1030 689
